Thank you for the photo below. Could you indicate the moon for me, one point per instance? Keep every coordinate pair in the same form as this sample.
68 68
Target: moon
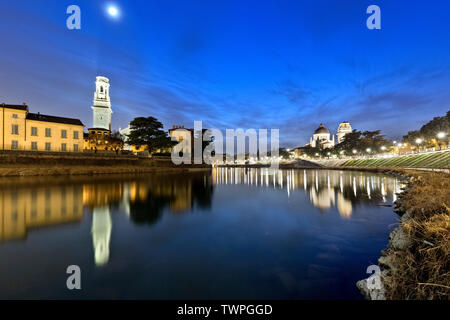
113 11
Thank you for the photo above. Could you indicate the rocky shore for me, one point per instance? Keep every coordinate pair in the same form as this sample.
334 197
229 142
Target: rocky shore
415 264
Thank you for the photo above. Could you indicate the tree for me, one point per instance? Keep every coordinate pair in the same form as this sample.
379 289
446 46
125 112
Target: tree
362 141
429 131
148 132
284 153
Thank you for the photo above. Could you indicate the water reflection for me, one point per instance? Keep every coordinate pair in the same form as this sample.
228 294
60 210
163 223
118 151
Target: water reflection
25 207
326 188
299 233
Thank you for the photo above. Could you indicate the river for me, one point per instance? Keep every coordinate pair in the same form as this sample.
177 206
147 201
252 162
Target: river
229 233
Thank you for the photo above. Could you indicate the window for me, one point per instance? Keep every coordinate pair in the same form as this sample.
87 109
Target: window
63 147
14 144
15 129
75 147
75 134
64 134
15 116
34 131
34 145
48 146
48 132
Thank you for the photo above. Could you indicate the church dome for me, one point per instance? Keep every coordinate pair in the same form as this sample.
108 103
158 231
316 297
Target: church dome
321 129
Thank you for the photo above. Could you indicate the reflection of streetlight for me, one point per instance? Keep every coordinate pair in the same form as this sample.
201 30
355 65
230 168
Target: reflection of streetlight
441 135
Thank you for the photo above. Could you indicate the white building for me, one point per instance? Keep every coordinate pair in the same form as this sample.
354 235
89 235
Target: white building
102 104
343 129
321 138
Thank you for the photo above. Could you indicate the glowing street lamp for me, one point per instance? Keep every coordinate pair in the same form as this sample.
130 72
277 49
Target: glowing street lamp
441 135
419 141
383 148
368 149
354 151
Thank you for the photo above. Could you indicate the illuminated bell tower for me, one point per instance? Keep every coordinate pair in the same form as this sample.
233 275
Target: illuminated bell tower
102 104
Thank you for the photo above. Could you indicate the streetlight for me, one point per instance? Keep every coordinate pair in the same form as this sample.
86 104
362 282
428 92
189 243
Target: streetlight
354 151
419 141
368 149
383 148
441 135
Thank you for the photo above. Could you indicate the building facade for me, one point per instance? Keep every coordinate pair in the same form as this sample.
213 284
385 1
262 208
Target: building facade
26 131
344 128
324 140
321 138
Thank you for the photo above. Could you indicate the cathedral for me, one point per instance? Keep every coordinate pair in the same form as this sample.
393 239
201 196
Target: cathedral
324 140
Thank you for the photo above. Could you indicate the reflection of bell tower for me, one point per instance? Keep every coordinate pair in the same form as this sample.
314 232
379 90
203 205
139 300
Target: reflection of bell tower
101 234
102 104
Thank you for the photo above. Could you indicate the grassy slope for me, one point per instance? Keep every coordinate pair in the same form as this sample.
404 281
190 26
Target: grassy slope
434 160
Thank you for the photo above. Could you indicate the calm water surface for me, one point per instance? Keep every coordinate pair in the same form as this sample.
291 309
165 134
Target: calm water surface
229 233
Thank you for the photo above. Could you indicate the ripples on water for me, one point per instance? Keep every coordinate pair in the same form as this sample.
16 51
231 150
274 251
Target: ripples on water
229 233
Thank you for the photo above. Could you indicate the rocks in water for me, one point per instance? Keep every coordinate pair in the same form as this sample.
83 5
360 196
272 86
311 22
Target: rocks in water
369 292
398 239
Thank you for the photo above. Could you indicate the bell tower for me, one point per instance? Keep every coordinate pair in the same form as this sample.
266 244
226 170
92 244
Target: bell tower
102 104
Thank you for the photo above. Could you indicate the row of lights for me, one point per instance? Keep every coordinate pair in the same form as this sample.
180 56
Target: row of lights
440 135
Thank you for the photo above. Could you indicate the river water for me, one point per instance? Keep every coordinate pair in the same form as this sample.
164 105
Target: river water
226 233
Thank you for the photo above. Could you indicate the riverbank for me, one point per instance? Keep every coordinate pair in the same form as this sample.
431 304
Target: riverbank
416 262
47 164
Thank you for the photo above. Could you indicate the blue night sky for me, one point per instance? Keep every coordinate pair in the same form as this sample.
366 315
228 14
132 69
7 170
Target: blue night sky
233 64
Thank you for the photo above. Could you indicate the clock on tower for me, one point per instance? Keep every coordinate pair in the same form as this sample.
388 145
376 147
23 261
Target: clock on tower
102 104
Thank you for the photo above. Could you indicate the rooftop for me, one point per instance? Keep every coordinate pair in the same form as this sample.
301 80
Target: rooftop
23 107
46 118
